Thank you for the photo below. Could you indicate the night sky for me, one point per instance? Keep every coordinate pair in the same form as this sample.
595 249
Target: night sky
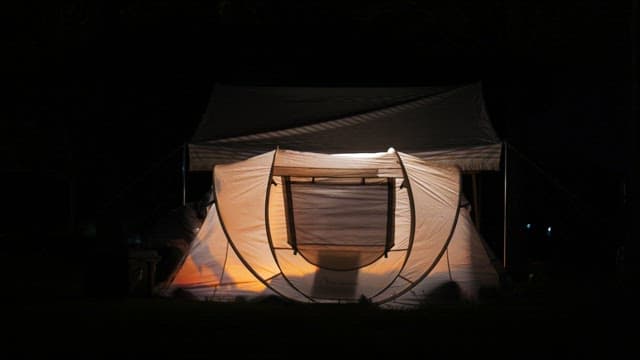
103 94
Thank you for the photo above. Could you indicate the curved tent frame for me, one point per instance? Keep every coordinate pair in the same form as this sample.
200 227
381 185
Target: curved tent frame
251 246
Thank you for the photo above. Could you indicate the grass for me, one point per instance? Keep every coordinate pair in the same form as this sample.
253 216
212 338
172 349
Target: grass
156 328
528 321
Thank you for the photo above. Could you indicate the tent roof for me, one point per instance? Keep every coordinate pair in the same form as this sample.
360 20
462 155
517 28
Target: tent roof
243 121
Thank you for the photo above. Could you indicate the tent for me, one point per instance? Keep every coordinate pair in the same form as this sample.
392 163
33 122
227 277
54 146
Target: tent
309 208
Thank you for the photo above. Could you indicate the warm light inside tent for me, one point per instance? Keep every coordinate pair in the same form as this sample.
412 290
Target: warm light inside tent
342 204
194 275
191 273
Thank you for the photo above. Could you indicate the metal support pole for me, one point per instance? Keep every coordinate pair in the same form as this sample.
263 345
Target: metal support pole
476 202
505 207
184 174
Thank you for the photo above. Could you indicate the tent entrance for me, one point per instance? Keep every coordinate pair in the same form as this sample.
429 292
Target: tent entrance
339 223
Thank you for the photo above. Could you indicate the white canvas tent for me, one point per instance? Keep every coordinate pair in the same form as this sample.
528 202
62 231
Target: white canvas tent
346 223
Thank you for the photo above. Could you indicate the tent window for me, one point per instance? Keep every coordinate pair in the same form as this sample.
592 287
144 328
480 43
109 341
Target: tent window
340 224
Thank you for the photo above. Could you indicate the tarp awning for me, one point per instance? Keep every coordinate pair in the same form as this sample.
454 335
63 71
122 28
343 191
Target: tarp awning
445 125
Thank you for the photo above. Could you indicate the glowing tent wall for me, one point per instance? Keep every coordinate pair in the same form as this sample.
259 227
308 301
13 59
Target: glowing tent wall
243 248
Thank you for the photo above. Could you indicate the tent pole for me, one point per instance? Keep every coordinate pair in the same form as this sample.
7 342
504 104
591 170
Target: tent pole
476 203
184 174
504 223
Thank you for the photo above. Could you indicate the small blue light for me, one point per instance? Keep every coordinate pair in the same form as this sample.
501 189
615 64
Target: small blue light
528 226
549 231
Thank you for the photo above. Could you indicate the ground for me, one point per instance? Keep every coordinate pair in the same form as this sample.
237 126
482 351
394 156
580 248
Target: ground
155 328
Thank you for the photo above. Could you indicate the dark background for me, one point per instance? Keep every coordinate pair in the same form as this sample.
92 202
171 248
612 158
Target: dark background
102 94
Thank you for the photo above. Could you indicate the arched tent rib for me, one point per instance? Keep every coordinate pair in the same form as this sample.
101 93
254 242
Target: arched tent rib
231 242
414 280
336 160
412 232
268 230
430 209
